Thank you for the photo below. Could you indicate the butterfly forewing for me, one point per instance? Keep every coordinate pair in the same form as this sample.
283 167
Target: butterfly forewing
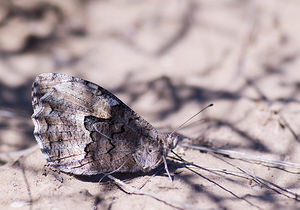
84 129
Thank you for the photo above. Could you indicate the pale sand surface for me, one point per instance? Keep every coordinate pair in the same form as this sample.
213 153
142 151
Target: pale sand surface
166 60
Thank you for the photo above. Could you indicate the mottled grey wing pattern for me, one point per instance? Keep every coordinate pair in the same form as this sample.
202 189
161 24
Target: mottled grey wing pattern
84 129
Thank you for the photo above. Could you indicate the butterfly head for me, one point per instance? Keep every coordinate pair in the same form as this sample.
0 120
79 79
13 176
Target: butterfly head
148 155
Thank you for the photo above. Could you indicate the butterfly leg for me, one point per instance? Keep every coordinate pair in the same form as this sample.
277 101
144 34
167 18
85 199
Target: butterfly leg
166 168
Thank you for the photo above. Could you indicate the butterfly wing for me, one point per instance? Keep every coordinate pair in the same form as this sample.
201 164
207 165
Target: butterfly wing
84 129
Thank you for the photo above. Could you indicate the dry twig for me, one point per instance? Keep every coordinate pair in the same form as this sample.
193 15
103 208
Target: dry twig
136 191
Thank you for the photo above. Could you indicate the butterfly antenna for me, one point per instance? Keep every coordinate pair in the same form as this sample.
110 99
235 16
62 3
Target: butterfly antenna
185 122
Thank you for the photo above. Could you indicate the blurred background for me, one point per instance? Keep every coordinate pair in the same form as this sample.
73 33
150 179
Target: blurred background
166 59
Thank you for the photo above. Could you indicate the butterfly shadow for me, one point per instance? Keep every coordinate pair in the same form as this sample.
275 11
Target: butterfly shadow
159 171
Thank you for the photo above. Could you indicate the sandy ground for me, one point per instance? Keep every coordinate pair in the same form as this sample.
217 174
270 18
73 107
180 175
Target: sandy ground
166 59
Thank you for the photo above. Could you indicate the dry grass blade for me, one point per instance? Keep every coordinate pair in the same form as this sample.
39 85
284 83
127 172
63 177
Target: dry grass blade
265 183
189 166
287 166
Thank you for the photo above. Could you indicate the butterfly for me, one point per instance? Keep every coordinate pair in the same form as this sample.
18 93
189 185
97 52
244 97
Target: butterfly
83 129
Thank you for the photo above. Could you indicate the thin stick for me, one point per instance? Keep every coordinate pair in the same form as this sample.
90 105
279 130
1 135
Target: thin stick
220 186
156 197
289 127
263 182
242 156
267 184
